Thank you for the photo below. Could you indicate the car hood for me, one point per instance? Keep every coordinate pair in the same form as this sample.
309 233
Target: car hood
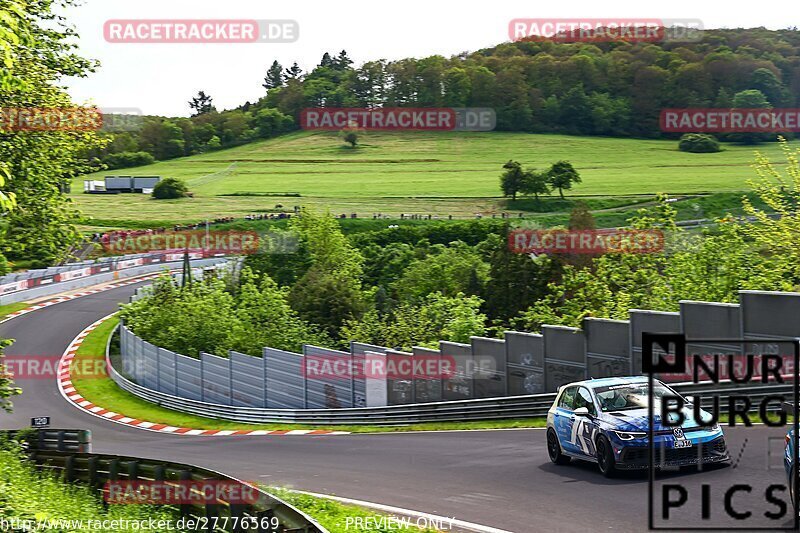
637 419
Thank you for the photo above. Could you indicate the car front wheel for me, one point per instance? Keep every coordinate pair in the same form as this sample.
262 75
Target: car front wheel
605 457
554 449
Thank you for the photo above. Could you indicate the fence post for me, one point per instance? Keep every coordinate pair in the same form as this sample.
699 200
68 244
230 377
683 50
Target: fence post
133 470
184 508
237 512
92 464
113 470
69 468
269 514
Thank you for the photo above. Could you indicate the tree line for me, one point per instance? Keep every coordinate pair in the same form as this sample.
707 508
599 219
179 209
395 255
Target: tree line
538 86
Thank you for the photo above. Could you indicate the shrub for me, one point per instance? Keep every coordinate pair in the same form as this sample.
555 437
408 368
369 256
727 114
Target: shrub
699 143
169 188
128 159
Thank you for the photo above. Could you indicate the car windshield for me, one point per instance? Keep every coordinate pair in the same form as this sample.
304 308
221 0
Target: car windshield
629 395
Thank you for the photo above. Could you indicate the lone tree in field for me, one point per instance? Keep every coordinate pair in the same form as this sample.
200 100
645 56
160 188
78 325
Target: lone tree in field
562 175
349 135
202 103
535 183
512 181
169 189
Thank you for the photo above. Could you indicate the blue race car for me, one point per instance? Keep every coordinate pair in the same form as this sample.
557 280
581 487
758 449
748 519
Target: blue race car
606 421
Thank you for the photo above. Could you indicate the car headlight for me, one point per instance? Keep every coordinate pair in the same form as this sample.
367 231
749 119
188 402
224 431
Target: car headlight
630 435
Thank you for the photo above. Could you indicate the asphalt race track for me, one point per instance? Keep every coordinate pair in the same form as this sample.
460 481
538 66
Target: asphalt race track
502 479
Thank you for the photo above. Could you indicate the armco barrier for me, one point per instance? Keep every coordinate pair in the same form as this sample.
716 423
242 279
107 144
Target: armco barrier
67 451
31 285
534 405
54 440
261 514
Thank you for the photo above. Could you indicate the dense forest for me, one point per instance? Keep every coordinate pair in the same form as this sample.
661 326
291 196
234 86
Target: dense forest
615 88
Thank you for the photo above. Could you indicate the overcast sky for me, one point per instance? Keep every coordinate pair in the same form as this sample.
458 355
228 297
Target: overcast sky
160 78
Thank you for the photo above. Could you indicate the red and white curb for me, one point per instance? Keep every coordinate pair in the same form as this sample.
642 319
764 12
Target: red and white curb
69 392
81 294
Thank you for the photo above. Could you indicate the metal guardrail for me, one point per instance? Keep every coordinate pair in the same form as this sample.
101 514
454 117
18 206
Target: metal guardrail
65 452
507 407
260 515
60 440
30 285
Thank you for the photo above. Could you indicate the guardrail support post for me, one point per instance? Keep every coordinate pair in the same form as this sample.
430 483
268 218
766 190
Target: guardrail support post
92 465
269 514
185 508
113 470
212 512
69 468
133 470
237 513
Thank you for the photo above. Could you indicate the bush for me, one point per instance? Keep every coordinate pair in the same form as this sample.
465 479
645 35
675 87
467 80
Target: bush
128 159
169 189
699 143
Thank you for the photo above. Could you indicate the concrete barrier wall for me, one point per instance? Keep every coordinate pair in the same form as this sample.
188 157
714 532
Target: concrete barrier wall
652 322
608 349
428 389
519 364
525 366
564 355
459 386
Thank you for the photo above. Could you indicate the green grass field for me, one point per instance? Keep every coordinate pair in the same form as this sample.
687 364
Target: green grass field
421 172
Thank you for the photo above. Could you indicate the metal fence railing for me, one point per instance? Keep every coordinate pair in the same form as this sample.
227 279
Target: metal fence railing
510 407
33 284
61 451
263 513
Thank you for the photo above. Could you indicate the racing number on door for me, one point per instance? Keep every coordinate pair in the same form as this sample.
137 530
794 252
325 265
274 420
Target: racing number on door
583 435
584 430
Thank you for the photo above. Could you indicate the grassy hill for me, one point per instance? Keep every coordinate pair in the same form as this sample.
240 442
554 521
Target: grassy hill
423 172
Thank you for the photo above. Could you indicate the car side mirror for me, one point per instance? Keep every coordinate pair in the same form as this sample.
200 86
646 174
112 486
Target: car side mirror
582 411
